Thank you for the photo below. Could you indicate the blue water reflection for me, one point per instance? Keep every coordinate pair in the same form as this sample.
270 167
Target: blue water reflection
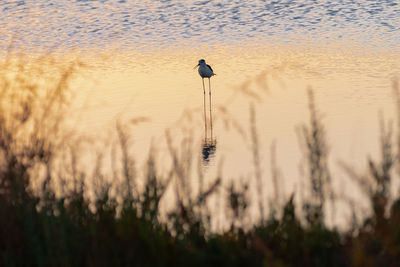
139 24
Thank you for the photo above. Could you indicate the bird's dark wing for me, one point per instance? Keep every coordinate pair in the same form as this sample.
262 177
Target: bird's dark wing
210 67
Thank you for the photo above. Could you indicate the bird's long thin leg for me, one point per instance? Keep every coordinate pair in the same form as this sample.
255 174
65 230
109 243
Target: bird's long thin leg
209 93
204 105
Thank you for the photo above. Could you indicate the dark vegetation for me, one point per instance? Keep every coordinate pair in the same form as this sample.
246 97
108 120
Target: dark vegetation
51 216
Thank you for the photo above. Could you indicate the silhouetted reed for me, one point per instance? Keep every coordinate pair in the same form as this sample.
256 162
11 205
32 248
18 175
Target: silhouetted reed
275 201
256 160
315 150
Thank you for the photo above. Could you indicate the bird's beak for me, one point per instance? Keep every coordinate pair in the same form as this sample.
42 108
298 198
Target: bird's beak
196 66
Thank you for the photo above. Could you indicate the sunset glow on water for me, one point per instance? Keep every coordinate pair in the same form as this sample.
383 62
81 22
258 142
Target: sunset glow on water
138 71
351 89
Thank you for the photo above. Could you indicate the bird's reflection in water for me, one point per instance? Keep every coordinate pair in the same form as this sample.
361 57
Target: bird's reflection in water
209 147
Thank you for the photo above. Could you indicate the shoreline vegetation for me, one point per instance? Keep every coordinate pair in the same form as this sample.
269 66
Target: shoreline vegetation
53 213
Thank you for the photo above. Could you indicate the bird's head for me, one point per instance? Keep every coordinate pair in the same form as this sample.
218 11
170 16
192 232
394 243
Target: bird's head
201 62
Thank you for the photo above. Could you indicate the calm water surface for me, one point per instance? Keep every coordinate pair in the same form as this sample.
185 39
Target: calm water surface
265 54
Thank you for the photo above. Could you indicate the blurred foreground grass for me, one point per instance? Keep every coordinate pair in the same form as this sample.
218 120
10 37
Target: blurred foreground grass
51 216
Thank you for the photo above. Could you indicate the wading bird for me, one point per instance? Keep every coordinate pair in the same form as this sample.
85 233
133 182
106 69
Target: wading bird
206 71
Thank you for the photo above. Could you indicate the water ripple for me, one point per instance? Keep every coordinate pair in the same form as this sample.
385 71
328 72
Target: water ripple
83 23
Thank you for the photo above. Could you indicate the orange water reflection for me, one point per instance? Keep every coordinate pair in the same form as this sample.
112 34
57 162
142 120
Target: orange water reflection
161 86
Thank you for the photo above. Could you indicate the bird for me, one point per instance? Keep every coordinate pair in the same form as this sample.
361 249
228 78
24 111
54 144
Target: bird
205 71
